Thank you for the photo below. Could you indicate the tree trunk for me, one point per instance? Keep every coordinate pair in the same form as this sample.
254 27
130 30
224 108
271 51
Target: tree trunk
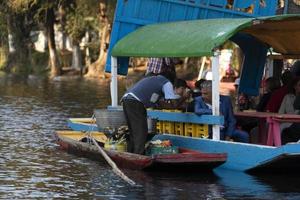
62 20
87 49
18 44
54 62
97 68
76 57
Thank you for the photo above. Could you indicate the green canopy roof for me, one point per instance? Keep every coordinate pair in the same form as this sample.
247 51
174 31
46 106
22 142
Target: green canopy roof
200 37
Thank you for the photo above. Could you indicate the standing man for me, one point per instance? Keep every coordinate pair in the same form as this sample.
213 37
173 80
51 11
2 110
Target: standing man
144 94
156 66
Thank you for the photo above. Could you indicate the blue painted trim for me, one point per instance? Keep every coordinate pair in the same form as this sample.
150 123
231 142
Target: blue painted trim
77 126
185 117
114 108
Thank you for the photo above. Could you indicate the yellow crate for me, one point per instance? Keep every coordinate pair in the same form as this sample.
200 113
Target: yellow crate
179 128
189 129
159 126
201 130
168 127
196 130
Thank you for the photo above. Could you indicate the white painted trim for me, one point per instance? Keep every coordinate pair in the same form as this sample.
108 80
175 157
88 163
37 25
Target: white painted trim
114 82
269 70
216 93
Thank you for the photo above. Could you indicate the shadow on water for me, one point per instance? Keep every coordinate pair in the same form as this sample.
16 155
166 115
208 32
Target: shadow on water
32 167
239 185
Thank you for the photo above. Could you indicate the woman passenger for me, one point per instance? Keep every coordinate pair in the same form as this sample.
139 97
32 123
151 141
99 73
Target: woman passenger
271 84
286 106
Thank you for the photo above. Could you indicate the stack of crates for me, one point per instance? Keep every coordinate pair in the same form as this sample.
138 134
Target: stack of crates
181 128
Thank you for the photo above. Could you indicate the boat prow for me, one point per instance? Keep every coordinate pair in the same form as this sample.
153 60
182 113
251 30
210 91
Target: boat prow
284 163
186 160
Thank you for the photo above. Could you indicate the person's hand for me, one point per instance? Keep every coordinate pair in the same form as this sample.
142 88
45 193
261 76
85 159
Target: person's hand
187 93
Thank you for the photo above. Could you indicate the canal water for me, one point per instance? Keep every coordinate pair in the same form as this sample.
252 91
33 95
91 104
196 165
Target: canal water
33 167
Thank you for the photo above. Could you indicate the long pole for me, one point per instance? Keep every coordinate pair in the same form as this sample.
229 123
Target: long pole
114 82
202 67
115 168
216 93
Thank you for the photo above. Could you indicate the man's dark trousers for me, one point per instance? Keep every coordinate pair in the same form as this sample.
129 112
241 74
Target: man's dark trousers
136 116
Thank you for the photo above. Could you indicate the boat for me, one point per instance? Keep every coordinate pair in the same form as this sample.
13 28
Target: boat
186 160
256 37
82 124
132 36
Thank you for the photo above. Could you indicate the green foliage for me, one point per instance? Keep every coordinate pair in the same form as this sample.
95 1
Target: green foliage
3 58
39 63
26 16
3 30
81 16
20 6
111 5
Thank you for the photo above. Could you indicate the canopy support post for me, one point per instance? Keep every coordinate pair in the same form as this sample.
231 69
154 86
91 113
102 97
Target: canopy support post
216 93
114 82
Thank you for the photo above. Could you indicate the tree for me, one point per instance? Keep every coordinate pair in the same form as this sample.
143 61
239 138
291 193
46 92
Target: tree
49 25
3 38
106 10
18 27
46 16
80 17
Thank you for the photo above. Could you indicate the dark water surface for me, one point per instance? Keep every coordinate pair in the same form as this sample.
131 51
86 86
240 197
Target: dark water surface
32 166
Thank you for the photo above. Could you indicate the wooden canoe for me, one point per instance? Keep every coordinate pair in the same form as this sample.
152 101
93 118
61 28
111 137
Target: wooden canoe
186 160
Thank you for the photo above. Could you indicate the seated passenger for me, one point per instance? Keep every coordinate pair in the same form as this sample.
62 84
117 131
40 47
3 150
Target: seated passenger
277 96
292 133
271 84
198 88
196 93
286 106
203 105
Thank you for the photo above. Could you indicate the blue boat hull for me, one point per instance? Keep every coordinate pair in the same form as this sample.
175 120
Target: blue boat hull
81 126
244 157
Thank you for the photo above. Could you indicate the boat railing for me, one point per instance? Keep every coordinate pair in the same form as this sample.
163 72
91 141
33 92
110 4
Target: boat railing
185 124
185 117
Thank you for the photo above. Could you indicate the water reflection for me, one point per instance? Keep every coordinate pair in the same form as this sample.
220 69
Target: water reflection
263 186
32 166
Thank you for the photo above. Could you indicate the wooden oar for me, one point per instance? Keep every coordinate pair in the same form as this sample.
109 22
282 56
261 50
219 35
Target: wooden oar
115 168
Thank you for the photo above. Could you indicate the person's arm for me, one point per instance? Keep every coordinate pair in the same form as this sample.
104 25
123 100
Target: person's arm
229 118
282 109
201 108
171 100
